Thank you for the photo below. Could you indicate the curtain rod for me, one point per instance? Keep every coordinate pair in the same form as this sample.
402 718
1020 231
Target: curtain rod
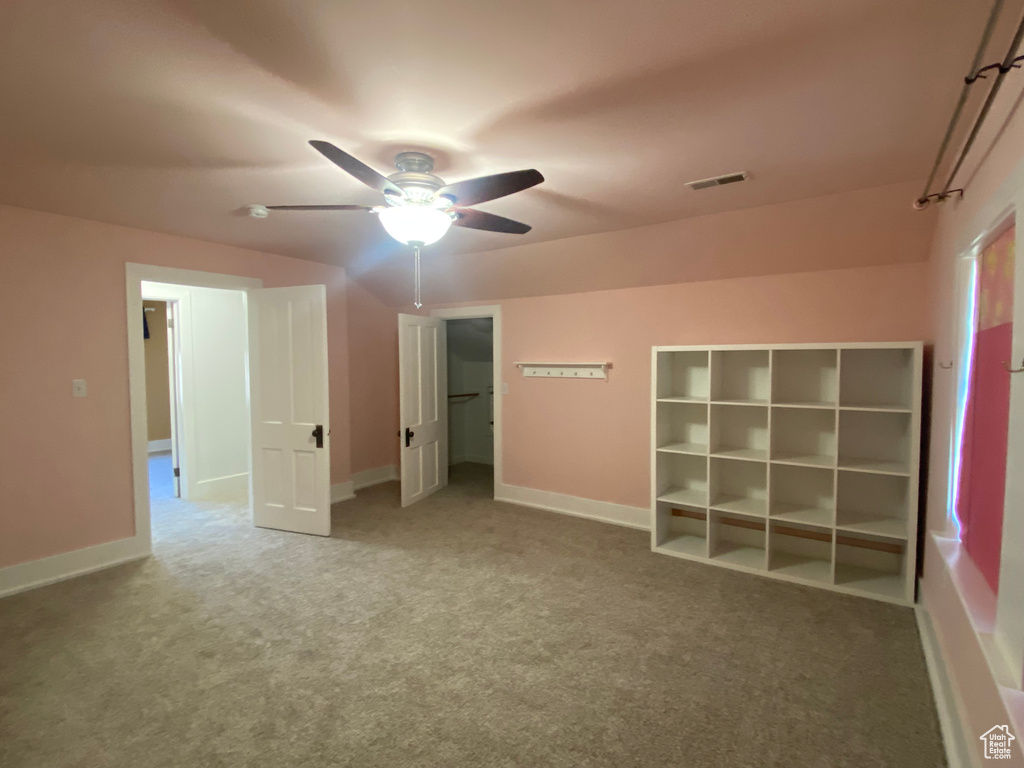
1009 62
922 202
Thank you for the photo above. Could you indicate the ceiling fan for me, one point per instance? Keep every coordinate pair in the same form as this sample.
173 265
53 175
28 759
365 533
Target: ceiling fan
419 206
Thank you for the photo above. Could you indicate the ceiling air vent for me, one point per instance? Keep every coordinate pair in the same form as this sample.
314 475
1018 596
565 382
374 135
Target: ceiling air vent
717 181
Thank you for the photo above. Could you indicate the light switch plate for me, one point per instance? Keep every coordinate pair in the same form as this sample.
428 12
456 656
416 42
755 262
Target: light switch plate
78 387
504 388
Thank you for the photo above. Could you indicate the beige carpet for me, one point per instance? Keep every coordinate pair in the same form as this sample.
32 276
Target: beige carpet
457 633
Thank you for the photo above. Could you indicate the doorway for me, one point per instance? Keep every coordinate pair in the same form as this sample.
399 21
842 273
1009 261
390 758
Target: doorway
208 390
424 403
471 403
162 397
197 412
252 420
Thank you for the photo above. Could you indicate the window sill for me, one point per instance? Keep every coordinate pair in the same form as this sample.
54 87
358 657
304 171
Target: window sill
979 603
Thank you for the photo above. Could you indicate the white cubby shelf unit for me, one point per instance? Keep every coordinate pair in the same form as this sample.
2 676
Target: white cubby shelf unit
797 461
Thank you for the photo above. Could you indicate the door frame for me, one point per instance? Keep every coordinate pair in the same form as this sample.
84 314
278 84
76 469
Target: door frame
492 311
135 276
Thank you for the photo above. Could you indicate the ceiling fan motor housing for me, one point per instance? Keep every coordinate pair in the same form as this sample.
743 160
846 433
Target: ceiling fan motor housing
415 178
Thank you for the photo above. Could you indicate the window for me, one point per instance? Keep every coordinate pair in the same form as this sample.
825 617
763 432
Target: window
983 405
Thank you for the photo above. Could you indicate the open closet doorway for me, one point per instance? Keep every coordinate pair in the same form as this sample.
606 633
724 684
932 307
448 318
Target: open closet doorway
424 408
471 403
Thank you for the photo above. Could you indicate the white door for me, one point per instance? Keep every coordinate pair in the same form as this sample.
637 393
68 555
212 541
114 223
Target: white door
423 405
291 483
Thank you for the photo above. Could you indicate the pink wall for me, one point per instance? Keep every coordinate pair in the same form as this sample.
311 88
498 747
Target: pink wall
65 462
592 439
999 152
757 263
865 228
373 357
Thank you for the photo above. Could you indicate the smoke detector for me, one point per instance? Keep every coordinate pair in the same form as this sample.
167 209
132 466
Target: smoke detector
718 181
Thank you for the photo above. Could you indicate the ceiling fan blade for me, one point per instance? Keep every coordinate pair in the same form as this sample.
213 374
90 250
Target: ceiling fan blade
467 217
484 188
319 208
356 168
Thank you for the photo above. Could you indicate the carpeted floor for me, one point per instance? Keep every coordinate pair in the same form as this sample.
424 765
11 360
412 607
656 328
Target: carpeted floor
458 633
161 476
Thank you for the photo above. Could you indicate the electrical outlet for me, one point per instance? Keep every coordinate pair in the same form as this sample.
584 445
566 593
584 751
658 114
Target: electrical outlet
78 387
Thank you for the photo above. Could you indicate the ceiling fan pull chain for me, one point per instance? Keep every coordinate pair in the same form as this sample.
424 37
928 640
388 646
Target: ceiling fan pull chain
416 251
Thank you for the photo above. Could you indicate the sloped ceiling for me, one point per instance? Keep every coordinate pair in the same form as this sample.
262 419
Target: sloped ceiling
172 115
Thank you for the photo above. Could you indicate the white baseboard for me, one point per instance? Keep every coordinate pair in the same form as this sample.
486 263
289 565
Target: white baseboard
604 511
227 487
374 476
47 570
958 754
342 492
159 446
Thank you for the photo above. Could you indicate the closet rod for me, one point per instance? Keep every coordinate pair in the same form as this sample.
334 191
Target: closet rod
997 7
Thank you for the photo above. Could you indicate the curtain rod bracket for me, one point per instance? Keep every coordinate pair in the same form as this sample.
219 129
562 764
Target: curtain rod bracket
940 197
1003 69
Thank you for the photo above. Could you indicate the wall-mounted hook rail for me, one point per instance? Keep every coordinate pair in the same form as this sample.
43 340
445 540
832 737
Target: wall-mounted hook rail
1011 369
565 370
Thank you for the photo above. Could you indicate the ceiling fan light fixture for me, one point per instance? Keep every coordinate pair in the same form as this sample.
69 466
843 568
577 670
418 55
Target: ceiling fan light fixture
415 223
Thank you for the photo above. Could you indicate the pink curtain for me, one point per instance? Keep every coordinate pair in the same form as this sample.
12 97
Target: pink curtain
986 426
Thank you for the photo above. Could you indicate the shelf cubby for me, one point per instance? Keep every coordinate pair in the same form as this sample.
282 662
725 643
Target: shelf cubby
682 479
873 564
871 441
683 376
800 551
807 378
740 376
796 461
682 428
737 540
740 487
804 437
682 530
880 379
739 432
873 504
804 495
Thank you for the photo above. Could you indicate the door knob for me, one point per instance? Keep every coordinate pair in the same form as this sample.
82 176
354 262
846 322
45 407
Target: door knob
409 435
318 433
